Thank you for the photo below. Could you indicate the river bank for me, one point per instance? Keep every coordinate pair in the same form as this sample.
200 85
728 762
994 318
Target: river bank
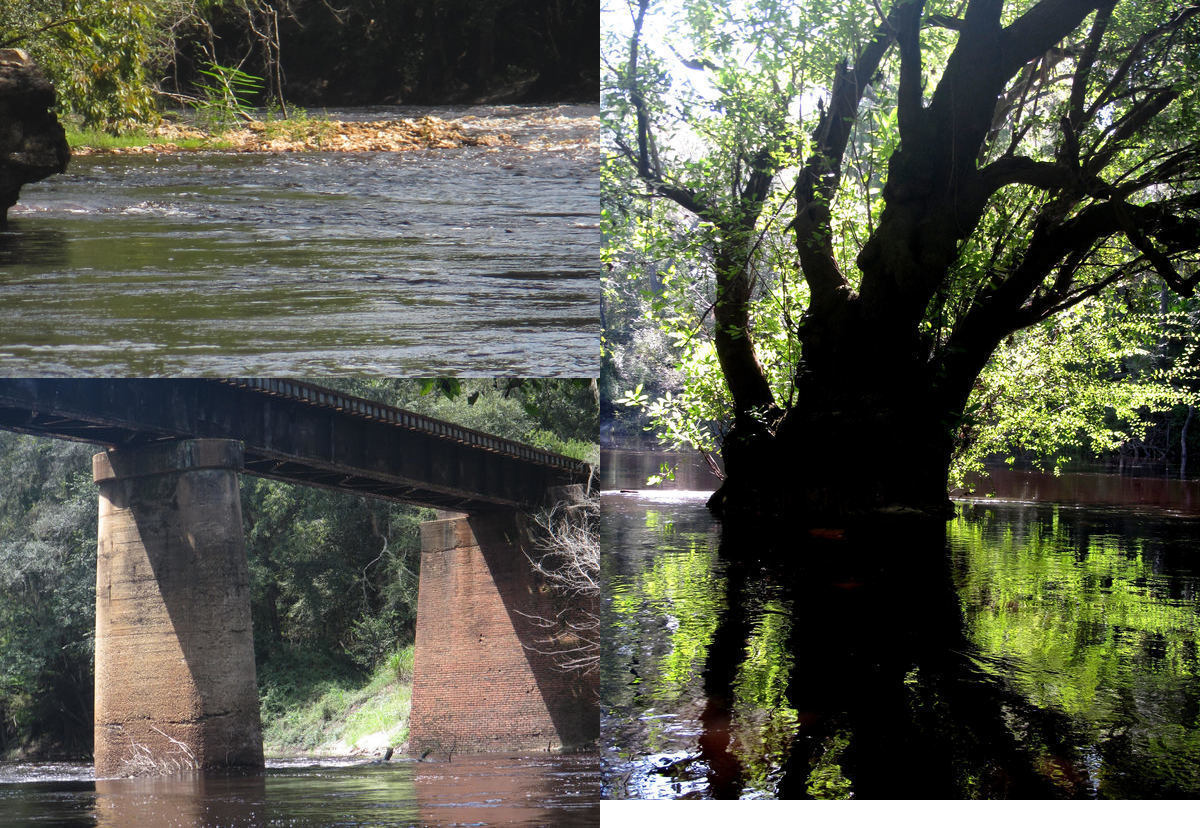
291 135
304 133
312 709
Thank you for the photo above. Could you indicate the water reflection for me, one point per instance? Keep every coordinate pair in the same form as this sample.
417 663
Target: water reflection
1024 651
1147 489
628 469
1093 614
472 790
189 799
45 246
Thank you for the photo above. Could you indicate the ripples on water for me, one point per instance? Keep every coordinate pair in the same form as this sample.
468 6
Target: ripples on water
480 259
1028 651
508 790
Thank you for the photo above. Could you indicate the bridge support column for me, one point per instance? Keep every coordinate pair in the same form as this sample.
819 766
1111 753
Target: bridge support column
483 679
175 682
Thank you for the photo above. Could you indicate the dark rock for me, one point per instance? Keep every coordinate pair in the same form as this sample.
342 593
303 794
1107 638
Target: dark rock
33 144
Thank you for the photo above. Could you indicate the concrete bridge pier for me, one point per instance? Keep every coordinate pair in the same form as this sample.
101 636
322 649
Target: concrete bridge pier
175 681
485 678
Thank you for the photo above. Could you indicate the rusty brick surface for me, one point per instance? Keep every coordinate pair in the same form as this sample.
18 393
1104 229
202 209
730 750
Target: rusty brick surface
480 683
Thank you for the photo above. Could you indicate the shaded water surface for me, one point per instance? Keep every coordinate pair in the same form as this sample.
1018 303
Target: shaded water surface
479 259
1025 650
471 790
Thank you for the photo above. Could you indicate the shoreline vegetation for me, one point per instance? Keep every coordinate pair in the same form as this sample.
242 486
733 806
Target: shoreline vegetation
312 707
303 134
114 61
312 711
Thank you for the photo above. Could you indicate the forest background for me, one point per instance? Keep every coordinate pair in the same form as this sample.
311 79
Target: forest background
333 576
117 63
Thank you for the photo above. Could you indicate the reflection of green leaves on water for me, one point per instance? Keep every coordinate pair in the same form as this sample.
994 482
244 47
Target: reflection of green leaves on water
659 523
826 780
664 618
683 595
763 677
765 724
667 614
1084 625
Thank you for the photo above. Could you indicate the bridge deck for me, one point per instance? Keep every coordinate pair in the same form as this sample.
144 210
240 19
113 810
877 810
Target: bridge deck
298 432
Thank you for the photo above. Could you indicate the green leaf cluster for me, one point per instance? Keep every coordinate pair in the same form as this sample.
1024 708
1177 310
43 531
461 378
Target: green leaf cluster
98 53
1079 386
47 594
225 95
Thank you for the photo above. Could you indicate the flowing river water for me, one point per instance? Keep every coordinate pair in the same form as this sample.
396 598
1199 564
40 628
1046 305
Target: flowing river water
1034 647
477 260
470 790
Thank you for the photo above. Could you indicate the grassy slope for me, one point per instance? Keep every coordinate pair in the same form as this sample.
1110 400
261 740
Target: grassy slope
312 707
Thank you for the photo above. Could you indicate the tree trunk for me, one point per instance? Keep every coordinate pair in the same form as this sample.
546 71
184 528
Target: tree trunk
870 434
1183 438
832 462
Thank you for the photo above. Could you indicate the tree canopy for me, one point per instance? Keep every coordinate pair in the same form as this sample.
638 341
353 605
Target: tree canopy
847 207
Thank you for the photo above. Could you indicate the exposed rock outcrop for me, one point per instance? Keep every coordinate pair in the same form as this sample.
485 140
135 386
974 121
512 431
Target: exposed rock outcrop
33 144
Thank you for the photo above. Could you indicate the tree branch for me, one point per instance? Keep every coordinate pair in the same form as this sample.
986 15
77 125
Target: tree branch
1118 78
26 35
1086 60
1040 28
635 94
908 37
821 174
1055 241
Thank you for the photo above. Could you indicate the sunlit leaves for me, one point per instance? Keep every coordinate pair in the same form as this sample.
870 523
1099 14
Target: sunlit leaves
96 51
1082 383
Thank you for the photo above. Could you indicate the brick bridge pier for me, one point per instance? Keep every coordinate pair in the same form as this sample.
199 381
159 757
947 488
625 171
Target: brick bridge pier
483 680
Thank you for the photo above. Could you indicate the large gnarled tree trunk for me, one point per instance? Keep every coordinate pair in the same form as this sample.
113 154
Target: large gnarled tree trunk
880 392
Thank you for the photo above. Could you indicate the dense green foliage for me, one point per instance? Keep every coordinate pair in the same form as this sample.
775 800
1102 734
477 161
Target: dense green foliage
109 58
333 576
312 706
47 593
1100 382
97 52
